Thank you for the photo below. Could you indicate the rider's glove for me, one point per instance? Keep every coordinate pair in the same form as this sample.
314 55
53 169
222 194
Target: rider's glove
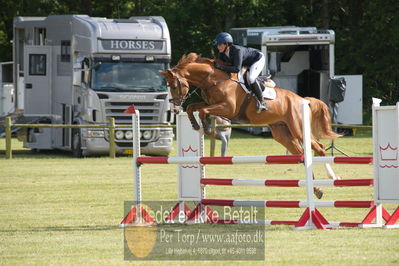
216 65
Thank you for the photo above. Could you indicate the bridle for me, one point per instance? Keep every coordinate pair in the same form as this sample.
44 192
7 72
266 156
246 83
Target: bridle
180 99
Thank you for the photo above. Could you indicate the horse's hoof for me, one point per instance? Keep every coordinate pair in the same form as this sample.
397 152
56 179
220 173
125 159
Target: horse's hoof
196 127
207 130
194 124
318 192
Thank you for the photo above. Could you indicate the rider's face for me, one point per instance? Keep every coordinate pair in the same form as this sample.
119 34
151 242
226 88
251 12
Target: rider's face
222 47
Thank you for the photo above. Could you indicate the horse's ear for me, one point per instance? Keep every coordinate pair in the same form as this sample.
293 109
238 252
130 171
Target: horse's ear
167 74
172 72
192 57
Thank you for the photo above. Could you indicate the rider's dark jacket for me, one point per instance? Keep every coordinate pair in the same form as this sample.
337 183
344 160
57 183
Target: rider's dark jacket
238 57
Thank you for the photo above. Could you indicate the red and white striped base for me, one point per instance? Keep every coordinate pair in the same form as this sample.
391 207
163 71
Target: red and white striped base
289 203
275 222
315 218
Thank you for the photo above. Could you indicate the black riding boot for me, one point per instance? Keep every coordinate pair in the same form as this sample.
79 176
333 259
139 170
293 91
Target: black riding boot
261 105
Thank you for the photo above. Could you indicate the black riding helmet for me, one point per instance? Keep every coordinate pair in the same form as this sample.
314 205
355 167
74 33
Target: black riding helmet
222 38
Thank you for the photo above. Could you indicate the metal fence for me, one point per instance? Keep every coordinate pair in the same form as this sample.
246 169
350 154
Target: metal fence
111 126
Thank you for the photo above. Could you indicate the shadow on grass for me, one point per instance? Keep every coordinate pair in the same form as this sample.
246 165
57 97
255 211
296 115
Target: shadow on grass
64 228
242 134
42 154
48 154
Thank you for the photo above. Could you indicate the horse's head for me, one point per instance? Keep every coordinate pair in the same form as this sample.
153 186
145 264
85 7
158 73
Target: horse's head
177 85
190 68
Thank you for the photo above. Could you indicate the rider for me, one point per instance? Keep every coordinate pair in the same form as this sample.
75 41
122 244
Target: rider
239 56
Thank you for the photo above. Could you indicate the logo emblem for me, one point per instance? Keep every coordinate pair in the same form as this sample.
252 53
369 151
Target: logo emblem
190 152
388 156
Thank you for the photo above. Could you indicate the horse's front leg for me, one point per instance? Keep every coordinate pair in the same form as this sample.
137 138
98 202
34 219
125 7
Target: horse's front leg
191 109
220 109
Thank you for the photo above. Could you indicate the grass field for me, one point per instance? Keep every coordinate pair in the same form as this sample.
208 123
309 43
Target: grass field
56 209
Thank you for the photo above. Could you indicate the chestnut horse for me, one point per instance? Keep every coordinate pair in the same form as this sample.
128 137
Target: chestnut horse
224 97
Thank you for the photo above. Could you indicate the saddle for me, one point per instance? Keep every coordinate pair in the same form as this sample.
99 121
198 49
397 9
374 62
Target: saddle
266 83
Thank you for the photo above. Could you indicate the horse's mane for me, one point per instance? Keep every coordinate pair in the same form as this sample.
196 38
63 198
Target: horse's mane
193 58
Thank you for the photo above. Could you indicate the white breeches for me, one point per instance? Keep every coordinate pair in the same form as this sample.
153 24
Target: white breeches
255 69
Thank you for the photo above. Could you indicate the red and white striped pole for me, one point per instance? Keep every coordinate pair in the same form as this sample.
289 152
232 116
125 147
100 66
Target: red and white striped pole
286 183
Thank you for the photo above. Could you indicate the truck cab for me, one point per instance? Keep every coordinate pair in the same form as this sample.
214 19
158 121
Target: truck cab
76 69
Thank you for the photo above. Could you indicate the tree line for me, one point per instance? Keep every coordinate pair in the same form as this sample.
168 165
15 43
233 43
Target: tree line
366 31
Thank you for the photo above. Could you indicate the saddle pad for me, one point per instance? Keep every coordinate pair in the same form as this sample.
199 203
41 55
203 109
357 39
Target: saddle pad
269 93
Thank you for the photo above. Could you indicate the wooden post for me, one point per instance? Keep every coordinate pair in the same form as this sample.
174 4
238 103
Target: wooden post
8 138
112 137
213 141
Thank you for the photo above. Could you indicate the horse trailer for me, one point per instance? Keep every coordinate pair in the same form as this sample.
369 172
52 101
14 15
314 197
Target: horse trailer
302 59
76 69
7 91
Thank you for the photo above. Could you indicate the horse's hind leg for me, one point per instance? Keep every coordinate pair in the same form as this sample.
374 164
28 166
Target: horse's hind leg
295 127
281 133
318 147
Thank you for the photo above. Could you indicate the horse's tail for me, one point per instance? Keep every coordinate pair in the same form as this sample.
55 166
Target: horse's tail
321 120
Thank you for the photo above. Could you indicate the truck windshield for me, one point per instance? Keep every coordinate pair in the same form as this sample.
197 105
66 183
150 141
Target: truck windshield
128 77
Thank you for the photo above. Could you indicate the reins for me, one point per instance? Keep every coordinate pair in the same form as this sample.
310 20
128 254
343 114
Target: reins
214 84
182 99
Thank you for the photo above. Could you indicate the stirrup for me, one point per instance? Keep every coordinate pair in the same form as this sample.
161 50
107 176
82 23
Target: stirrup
261 106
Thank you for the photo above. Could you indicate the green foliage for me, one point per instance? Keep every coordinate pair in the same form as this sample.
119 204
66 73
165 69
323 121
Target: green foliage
367 32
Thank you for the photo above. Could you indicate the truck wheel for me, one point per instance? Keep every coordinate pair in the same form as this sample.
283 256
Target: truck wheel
76 143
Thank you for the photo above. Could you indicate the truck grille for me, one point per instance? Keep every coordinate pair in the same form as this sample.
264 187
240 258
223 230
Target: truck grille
150 105
149 112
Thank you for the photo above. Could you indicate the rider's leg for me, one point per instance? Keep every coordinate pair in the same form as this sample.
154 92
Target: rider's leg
259 97
254 70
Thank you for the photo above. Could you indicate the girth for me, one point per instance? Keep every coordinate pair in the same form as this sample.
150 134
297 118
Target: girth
241 116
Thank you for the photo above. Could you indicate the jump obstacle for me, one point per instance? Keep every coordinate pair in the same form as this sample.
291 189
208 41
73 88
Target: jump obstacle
191 180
